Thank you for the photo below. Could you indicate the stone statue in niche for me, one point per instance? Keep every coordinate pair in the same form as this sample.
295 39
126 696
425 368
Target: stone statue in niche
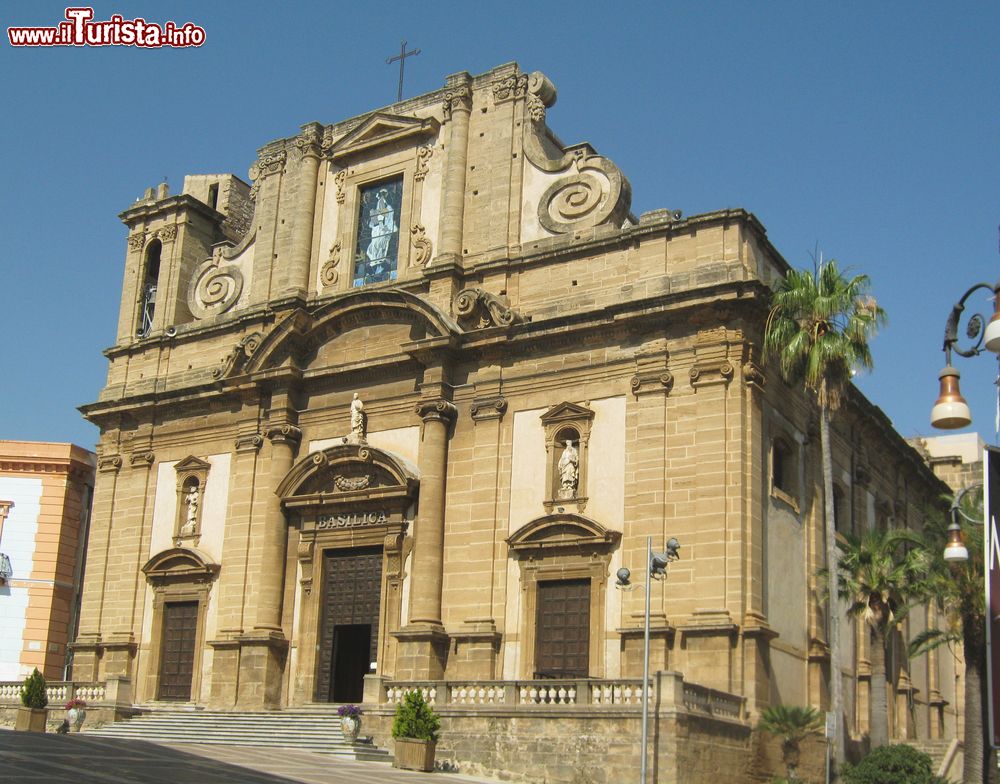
569 471
191 500
358 434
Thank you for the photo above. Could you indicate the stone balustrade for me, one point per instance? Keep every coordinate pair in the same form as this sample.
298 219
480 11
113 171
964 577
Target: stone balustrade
667 689
61 692
712 702
58 692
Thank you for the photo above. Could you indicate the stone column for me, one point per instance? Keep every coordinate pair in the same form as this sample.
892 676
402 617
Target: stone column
284 439
457 108
305 205
263 650
423 647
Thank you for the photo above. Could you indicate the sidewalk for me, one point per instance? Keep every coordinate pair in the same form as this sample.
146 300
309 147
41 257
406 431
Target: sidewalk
49 758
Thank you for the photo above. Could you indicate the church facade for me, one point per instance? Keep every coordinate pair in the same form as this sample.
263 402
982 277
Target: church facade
399 410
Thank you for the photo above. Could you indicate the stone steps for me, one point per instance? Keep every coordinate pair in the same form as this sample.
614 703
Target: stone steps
314 729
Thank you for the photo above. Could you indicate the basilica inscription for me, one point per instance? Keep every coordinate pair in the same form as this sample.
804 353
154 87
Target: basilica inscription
352 520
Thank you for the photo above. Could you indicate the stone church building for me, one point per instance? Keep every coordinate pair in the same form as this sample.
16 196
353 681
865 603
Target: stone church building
397 412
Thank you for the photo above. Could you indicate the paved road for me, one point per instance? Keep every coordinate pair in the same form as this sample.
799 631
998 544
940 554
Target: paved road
82 759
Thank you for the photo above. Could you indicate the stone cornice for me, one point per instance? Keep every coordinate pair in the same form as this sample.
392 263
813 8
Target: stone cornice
158 209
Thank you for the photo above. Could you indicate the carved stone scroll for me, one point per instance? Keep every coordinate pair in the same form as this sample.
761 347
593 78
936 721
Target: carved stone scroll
478 309
329 274
214 288
424 154
421 244
592 190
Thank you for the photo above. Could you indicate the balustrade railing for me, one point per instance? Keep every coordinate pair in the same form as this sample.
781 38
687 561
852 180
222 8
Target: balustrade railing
58 692
516 693
668 690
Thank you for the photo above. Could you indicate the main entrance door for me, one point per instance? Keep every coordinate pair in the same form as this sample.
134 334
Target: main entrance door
180 627
348 633
562 633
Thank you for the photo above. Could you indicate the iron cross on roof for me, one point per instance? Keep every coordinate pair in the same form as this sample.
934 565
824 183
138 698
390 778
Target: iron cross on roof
403 54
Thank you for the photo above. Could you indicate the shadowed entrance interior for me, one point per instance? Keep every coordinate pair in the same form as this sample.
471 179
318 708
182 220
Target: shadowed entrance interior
348 637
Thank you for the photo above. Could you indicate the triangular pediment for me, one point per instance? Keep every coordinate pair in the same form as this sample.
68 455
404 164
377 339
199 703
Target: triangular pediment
566 412
381 128
192 463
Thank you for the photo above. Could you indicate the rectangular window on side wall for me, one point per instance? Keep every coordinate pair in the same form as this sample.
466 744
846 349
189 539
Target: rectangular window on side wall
377 251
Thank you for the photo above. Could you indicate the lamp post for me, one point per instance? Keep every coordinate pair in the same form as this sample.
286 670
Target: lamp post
656 568
950 411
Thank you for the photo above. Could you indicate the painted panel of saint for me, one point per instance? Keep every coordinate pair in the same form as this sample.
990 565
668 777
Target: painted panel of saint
376 253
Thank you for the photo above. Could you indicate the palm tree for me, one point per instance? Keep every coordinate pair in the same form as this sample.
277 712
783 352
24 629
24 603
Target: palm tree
818 329
793 725
957 588
880 576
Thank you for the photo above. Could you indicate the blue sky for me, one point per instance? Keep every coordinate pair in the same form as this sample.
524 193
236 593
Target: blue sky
868 131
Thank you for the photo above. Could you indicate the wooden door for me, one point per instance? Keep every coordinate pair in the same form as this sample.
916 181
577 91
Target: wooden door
348 633
180 630
562 631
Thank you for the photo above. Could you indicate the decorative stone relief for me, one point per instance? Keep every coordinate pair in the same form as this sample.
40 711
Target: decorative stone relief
339 179
236 358
215 287
510 87
329 275
137 241
269 163
593 191
351 483
167 233
424 154
421 244
478 309
309 140
457 98
265 165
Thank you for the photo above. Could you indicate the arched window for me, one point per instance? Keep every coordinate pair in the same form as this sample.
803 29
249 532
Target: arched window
147 294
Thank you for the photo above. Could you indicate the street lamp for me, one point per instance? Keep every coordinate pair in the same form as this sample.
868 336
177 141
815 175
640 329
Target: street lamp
951 411
656 568
955 550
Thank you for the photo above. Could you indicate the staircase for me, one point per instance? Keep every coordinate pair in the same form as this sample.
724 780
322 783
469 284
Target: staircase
946 761
310 729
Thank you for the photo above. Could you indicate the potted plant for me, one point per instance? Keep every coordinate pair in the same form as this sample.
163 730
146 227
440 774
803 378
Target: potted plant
31 717
350 721
75 713
415 730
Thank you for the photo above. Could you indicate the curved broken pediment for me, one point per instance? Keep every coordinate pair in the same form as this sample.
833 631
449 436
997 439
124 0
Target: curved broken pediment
347 473
559 531
402 318
180 565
